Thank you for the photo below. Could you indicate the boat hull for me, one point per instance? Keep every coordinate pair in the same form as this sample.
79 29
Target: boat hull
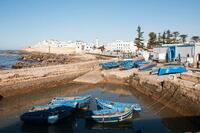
171 70
111 105
50 116
77 102
112 118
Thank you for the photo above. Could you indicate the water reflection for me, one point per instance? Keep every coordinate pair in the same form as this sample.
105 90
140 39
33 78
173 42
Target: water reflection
146 121
65 127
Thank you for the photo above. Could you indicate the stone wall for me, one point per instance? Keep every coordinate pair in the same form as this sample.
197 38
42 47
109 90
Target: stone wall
180 95
24 80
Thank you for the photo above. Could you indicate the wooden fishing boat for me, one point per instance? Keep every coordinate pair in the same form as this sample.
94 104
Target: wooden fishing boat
126 65
172 69
110 115
78 102
110 65
47 114
113 105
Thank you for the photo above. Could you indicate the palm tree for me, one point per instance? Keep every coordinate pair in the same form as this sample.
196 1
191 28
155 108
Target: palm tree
183 37
168 38
164 37
152 40
159 39
175 34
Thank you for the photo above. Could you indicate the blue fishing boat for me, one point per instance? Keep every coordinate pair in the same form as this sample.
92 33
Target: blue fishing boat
126 65
78 102
171 69
147 67
139 63
110 65
111 105
47 114
110 115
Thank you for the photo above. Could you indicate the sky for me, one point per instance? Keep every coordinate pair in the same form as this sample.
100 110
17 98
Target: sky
26 22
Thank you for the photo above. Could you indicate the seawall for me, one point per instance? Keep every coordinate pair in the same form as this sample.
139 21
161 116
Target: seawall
180 95
18 81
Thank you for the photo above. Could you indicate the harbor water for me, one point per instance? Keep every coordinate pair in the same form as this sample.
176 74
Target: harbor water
8 58
154 117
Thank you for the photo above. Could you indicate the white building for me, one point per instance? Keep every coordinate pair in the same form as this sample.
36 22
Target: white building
54 44
189 53
121 46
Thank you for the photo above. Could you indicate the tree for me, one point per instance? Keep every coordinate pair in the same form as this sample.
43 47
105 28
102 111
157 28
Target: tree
139 39
152 40
164 37
183 38
168 38
175 36
159 39
195 38
102 48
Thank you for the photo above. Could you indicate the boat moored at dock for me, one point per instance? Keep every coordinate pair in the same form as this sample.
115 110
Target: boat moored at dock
110 115
78 102
49 114
113 105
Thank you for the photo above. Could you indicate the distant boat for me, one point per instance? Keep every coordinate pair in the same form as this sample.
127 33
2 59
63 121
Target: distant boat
110 65
48 114
147 67
78 102
129 64
172 69
126 65
110 115
113 105
139 63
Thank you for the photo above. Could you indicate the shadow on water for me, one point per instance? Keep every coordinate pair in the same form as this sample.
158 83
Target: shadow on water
147 121
64 127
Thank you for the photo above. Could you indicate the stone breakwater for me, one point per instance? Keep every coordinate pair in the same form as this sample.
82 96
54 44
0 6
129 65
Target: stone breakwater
174 92
18 81
36 59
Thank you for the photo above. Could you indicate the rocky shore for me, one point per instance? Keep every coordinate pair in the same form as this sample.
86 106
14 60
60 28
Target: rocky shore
36 59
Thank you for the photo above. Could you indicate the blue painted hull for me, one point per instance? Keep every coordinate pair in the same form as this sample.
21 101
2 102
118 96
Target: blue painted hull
126 65
58 109
50 116
110 115
140 63
112 105
74 102
110 65
171 70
